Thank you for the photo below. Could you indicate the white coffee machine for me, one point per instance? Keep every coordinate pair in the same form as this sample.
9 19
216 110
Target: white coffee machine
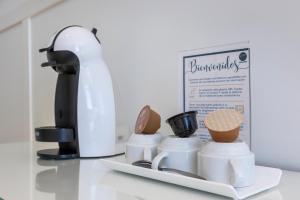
84 99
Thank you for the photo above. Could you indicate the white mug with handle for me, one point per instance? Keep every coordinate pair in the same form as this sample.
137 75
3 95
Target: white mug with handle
229 163
178 153
142 147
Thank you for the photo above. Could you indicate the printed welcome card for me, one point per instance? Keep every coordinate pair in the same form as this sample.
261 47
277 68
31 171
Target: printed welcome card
217 78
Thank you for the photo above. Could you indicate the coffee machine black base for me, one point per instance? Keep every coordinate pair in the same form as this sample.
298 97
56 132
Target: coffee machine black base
65 138
56 154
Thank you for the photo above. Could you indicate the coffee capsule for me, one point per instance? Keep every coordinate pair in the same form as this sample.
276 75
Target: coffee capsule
184 124
224 125
148 121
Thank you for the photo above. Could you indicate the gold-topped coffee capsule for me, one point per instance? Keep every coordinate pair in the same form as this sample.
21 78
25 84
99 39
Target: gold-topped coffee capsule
148 121
224 125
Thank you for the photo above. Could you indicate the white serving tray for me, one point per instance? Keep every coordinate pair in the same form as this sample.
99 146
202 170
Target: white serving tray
266 178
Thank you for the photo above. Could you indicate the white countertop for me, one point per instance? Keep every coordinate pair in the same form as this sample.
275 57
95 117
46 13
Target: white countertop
24 176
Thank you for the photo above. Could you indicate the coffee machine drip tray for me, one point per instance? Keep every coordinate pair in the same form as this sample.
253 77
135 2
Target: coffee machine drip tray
65 138
57 154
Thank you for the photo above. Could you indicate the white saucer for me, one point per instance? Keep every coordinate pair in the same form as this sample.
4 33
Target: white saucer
266 178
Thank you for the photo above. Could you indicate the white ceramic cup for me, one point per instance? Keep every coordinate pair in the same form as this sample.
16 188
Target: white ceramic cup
142 147
178 153
229 163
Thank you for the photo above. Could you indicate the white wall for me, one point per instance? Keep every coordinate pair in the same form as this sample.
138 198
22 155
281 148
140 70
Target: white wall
14 97
7 6
15 76
142 39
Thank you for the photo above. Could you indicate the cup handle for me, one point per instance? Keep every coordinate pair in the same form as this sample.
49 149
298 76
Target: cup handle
237 174
147 154
157 159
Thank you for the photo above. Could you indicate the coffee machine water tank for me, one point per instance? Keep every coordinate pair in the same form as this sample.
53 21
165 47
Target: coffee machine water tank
83 80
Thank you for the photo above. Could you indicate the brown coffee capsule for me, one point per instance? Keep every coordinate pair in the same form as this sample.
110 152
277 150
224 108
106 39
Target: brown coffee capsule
224 125
148 121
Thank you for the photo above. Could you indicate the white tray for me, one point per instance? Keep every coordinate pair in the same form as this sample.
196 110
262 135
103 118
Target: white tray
266 178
